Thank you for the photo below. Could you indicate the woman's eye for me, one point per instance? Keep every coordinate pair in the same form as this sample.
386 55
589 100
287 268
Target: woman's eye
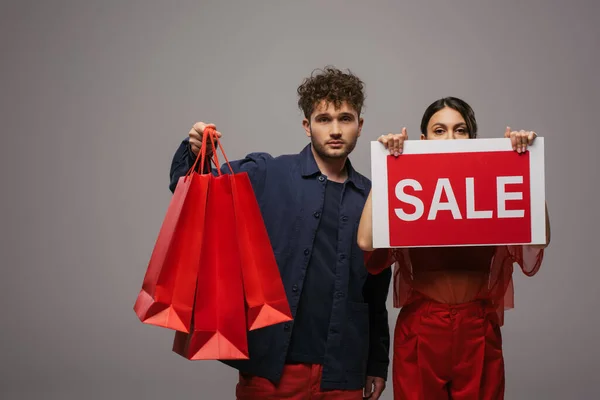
439 131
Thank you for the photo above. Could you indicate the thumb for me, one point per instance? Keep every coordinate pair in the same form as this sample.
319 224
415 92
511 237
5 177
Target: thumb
507 132
405 133
369 388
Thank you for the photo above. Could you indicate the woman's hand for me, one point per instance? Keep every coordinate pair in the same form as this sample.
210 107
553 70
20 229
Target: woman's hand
394 142
520 139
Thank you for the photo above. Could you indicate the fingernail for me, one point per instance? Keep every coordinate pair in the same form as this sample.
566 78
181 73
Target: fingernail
396 154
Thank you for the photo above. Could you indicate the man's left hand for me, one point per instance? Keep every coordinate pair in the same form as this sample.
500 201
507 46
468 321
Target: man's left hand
374 387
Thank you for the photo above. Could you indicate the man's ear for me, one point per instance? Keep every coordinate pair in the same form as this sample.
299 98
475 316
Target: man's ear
361 121
306 126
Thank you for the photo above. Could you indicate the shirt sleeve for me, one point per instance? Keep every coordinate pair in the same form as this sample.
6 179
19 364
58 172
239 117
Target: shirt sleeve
529 258
375 293
254 164
378 260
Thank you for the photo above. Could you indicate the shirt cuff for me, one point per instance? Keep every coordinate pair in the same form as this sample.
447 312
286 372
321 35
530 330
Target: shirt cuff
378 369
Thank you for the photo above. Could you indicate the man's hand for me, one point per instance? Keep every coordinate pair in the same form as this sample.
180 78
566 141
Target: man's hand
520 139
374 387
195 135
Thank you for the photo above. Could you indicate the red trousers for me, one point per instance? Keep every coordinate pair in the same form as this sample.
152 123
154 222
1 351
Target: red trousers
298 382
446 352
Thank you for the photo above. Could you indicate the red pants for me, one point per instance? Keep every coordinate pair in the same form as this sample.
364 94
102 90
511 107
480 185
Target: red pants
298 382
446 351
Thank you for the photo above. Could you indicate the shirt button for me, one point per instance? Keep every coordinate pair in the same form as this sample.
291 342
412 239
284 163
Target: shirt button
342 257
339 295
317 214
321 178
286 327
344 218
295 288
306 252
453 312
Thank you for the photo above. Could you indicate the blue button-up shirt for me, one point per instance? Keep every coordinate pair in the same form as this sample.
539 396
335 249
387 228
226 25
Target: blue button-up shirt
290 189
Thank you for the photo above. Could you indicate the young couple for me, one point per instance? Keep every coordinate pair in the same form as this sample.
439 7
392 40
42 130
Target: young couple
317 211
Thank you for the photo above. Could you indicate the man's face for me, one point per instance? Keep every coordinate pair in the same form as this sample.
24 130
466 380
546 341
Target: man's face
333 132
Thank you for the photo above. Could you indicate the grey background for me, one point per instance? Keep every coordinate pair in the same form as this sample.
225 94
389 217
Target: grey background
96 96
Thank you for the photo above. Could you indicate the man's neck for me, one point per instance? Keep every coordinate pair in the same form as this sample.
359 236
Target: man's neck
334 168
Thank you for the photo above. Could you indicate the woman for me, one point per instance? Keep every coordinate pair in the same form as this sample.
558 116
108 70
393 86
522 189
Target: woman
447 342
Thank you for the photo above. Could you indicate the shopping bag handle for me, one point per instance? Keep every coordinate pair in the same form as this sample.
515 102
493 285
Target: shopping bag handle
210 131
201 156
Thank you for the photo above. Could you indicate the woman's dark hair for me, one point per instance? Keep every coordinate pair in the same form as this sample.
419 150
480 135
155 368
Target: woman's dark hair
457 104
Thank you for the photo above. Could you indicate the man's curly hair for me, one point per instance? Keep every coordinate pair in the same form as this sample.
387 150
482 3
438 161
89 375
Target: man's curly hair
333 86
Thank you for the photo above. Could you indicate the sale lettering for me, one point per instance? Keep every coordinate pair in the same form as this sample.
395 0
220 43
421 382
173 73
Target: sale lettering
444 188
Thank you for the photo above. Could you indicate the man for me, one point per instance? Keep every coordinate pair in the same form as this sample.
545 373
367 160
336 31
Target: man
311 202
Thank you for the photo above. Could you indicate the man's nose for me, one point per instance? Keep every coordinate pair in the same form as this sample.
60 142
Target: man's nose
336 129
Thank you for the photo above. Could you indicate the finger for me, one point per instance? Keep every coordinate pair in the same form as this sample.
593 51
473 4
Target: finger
195 141
201 126
195 149
390 142
513 140
531 137
379 388
193 134
522 141
403 137
368 388
395 138
397 149
507 132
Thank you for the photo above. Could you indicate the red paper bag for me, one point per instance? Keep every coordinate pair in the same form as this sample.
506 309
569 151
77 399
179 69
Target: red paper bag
167 295
219 323
266 301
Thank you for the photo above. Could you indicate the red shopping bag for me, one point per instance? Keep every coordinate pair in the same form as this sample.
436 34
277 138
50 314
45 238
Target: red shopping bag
167 295
266 301
219 321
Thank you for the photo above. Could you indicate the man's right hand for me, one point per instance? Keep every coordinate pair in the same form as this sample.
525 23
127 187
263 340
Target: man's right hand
195 135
